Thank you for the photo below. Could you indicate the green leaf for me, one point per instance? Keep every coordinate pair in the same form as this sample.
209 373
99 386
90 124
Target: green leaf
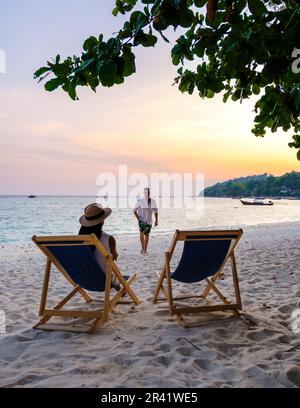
200 3
257 8
90 43
107 73
41 71
186 19
129 62
255 89
239 5
115 11
53 84
199 48
72 89
146 40
113 46
226 96
84 66
138 20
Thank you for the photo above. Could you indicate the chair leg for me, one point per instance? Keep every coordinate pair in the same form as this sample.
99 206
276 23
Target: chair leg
159 286
99 321
107 287
45 287
161 278
209 287
169 283
59 306
96 324
236 282
125 285
217 291
121 293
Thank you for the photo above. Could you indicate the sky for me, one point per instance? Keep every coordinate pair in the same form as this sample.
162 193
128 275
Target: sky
52 145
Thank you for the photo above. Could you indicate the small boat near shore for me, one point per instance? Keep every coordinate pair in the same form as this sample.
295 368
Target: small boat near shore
31 196
257 202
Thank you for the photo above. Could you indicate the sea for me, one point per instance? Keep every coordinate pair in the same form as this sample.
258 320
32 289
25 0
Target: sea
22 217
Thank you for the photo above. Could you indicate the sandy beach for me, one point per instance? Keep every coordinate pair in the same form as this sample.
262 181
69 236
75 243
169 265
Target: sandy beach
141 346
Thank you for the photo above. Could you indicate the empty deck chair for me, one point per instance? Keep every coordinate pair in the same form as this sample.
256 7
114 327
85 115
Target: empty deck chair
204 256
73 257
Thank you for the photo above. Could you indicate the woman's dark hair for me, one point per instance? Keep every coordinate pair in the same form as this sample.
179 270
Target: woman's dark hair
95 229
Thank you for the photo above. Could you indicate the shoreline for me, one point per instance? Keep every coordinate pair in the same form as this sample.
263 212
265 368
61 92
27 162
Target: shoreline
121 235
215 354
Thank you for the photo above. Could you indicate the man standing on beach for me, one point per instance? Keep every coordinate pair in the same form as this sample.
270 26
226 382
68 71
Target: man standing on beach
143 211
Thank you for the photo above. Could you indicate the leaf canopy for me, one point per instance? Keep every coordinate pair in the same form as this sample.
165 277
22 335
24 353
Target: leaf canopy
241 48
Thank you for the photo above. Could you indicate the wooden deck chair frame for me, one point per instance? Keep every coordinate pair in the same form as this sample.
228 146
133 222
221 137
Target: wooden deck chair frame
211 282
99 316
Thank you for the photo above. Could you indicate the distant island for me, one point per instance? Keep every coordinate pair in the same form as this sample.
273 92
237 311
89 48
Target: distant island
262 185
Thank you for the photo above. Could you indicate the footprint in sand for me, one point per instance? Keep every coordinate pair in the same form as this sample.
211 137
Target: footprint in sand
161 360
145 353
205 364
184 351
293 374
260 335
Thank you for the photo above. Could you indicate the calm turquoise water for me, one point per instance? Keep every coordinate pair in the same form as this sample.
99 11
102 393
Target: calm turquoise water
21 217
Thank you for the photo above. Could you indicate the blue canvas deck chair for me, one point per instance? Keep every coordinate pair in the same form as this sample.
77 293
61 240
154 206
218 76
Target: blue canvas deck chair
204 256
73 257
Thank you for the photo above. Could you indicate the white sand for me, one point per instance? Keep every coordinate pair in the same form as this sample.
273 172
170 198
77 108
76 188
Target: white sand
141 346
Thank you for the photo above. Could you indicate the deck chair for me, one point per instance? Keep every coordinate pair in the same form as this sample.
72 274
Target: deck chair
204 256
73 257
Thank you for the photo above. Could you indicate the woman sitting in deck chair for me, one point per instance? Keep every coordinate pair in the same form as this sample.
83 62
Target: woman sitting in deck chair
88 265
92 222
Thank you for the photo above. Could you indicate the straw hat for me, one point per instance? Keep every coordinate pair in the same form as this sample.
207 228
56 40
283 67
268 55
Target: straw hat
94 214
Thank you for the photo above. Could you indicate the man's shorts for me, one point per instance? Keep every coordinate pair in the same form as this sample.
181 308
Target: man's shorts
144 227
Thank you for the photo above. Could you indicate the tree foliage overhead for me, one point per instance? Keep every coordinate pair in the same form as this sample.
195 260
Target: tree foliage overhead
265 185
239 48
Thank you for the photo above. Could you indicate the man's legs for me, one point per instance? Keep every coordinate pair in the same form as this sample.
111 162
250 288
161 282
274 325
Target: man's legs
142 241
146 242
144 235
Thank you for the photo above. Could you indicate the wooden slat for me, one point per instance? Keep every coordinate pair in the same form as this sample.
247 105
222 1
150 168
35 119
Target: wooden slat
199 309
159 286
58 238
169 283
45 287
217 291
123 282
89 314
52 327
182 234
121 293
236 281
54 244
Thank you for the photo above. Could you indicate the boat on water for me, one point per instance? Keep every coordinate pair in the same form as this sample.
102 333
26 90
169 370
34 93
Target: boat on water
31 196
257 202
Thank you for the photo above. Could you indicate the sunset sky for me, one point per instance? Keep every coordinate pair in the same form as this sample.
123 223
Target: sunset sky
52 145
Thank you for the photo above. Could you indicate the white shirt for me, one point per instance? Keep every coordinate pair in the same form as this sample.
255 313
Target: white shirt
145 211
